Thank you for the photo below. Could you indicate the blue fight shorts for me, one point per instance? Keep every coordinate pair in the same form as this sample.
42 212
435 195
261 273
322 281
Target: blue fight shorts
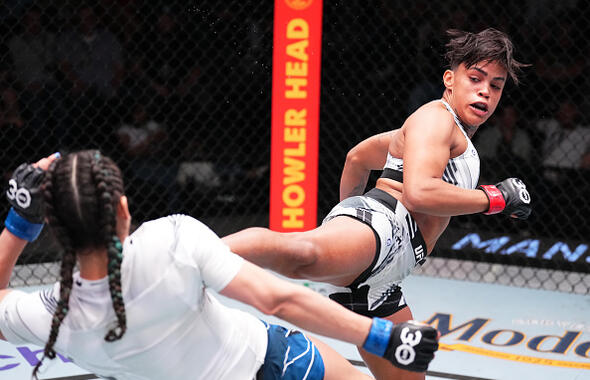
290 355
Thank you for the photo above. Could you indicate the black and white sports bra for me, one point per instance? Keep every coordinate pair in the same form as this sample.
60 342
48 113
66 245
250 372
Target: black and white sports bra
462 171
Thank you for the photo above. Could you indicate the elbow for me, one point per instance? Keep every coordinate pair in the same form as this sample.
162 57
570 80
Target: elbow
350 159
273 305
415 200
286 304
353 157
268 307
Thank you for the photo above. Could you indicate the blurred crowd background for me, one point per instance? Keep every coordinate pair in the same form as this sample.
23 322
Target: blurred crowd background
179 94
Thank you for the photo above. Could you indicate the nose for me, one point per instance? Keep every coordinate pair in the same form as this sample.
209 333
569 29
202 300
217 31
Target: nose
484 92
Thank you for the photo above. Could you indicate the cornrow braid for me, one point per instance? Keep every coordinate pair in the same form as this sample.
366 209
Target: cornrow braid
81 192
68 262
104 179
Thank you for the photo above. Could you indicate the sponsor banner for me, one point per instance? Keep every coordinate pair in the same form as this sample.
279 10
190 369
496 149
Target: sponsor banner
508 324
566 347
514 357
515 249
295 114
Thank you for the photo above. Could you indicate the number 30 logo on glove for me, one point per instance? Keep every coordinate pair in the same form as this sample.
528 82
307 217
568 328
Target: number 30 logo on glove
405 353
21 196
523 194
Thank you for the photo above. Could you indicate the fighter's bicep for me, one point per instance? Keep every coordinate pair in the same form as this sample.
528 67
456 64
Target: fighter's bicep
427 148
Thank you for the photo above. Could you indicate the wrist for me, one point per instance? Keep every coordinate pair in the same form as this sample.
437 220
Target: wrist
22 228
496 200
379 336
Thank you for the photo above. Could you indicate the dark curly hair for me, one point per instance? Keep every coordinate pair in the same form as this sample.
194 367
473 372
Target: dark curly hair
81 193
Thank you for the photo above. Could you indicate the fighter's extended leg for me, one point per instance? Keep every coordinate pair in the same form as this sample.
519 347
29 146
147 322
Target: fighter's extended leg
336 252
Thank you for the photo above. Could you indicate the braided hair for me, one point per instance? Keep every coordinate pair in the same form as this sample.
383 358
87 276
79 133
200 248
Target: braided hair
81 193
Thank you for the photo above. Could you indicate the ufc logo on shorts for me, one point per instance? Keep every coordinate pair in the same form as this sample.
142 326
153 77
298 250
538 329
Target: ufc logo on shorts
419 253
405 353
21 196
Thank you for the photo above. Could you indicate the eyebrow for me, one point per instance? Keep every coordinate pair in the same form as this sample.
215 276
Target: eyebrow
486 74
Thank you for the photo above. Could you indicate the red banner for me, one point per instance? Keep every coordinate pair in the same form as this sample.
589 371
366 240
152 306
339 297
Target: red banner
295 114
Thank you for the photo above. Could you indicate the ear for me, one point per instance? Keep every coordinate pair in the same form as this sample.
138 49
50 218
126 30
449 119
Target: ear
449 79
123 218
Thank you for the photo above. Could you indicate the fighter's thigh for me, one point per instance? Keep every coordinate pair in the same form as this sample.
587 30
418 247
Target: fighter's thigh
335 365
383 369
343 248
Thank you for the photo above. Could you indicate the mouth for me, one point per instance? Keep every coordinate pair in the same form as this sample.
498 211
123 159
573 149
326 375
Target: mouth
479 108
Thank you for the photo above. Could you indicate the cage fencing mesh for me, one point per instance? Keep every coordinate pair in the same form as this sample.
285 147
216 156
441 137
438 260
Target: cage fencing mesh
178 93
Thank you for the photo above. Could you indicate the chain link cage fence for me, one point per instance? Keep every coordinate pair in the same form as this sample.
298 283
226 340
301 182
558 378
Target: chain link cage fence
179 94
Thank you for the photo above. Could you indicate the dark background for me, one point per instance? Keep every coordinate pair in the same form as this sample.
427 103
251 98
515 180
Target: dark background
179 92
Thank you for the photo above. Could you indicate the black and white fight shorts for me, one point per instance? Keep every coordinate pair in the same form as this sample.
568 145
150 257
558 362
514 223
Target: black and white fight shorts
400 249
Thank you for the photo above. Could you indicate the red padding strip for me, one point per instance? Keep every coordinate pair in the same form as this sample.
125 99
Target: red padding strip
497 202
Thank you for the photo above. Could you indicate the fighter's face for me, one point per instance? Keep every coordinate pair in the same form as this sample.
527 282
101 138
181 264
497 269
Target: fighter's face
476 91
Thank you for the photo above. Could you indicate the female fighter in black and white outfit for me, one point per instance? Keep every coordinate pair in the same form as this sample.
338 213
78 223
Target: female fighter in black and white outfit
369 243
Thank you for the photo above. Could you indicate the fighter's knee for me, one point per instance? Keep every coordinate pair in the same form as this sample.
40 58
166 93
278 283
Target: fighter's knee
310 252
304 256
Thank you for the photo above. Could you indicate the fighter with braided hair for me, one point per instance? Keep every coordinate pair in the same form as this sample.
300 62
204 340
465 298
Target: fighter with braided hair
141 306
72 216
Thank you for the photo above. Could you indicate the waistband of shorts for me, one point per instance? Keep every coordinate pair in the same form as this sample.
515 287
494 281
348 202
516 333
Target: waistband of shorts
392 174
382 197
416 239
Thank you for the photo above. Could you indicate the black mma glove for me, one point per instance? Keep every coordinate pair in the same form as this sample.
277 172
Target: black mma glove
25 218
408 345
509 197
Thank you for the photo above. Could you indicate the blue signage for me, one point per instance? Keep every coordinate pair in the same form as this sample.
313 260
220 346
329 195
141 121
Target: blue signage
546 250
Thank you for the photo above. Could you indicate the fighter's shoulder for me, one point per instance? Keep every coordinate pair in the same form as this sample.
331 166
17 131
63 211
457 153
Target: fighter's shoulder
165 229
174 237
430 115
